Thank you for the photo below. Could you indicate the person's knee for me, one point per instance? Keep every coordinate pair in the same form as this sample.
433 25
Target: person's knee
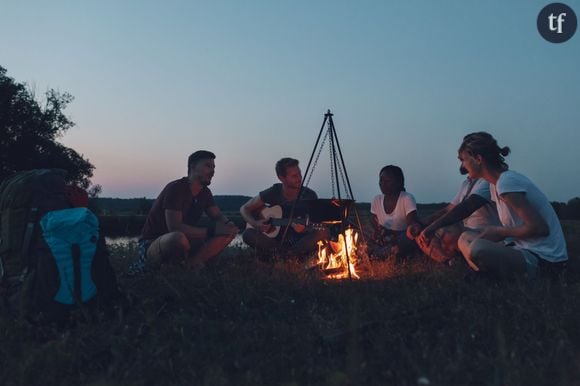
178 242
256 239
479 252
223 241
464 243
178 238
170 245
249 237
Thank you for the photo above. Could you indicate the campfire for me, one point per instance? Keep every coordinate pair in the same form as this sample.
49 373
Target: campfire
343 255
340 256
338 260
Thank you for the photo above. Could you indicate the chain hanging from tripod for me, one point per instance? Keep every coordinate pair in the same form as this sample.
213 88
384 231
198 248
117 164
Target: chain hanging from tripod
343 179
338 174
316 160
332 158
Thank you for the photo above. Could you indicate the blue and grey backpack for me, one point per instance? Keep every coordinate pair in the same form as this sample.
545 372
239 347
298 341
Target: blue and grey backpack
52 257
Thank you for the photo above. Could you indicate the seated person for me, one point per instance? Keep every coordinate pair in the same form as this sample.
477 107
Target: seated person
299 240
393 212
526 216
171 231
472 204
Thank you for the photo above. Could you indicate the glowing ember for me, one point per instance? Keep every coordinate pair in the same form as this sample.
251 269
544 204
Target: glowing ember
339 257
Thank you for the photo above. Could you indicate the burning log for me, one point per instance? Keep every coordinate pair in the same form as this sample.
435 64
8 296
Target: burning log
338 259
333 271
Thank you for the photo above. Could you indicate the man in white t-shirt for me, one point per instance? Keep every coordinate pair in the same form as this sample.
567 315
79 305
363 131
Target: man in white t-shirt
552 247
470 209
527 218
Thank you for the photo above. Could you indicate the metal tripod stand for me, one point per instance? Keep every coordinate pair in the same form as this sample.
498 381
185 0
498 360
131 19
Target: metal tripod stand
338 175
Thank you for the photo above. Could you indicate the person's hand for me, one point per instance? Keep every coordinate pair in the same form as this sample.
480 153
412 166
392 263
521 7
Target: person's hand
492 234
226 229
413 230
262 225
425 237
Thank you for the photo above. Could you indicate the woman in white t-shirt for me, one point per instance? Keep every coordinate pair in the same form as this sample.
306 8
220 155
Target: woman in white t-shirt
526 215
392 212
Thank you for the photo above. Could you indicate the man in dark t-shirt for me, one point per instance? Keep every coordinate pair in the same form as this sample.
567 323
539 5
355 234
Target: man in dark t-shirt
171 230
260 233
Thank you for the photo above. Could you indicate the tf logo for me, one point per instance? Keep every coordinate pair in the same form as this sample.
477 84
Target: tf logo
557 22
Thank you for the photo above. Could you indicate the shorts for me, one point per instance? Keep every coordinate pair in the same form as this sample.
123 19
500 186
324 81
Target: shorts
138 267
142 248
532 261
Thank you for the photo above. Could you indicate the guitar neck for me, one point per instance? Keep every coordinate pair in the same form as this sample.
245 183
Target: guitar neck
285 221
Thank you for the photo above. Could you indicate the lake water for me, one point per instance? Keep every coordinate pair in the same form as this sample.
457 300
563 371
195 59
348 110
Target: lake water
237 242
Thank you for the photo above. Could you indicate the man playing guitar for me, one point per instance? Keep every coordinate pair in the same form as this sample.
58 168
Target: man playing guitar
300 239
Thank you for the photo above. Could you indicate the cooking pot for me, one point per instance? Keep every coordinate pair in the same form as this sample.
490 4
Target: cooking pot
328 210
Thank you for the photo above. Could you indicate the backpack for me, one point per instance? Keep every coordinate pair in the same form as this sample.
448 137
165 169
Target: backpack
24 198
54 259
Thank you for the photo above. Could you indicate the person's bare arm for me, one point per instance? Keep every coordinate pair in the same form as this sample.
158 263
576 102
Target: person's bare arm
460 211
174 222
412 219
454 214
216 214
438 214
415 229
247 211
533 225
223 226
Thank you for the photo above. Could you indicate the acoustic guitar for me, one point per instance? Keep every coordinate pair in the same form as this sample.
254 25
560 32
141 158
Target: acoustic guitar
273 216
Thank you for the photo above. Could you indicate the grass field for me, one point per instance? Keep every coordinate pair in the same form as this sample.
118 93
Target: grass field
243 322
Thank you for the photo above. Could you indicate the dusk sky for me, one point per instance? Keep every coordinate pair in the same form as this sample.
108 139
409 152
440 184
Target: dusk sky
250 80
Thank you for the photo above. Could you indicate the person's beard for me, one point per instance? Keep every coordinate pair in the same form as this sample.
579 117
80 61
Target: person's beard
204 180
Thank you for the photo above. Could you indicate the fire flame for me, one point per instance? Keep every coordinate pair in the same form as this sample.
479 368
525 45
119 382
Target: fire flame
340 255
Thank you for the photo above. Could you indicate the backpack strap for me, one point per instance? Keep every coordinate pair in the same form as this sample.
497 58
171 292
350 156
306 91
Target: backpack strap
76 260
30 227
36 211
1 266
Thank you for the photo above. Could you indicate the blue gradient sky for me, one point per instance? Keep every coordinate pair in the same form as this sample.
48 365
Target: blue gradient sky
250 80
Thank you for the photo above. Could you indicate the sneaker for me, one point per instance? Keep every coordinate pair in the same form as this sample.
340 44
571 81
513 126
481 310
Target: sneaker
137 268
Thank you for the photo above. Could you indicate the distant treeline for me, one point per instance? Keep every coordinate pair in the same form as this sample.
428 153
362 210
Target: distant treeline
140 206
569 210
131 206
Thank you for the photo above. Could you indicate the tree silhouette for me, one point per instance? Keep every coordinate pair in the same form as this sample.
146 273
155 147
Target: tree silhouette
574 208
28 133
